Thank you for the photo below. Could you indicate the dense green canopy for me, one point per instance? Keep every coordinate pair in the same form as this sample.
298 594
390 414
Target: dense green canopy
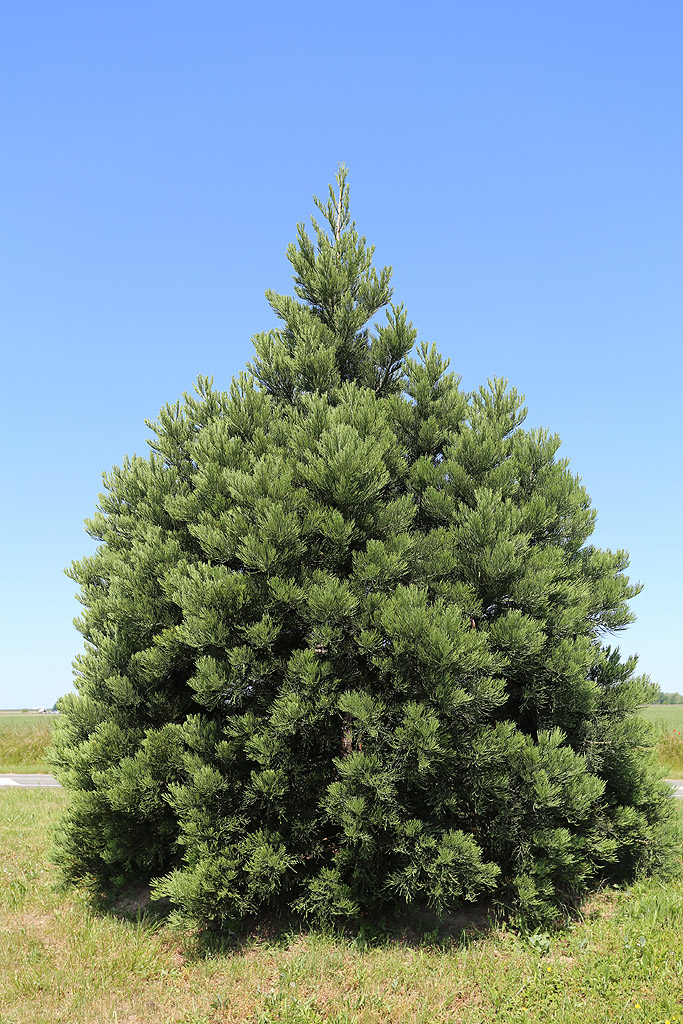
345 638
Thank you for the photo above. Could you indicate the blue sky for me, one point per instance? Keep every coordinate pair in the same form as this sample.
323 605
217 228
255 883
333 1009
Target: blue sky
519 165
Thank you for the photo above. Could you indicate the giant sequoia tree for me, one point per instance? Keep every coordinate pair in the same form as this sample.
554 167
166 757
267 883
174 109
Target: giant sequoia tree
344 638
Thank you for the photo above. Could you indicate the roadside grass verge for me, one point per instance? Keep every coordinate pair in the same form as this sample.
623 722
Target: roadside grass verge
24 740
64 962
670 750
668 721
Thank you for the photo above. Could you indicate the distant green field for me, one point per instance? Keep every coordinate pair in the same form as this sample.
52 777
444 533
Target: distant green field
668 715
24 740
21 721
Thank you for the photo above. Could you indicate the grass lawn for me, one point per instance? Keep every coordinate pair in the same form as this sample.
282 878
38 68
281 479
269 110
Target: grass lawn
24 738
64 963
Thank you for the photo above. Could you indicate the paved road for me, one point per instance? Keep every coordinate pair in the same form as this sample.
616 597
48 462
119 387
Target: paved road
34 781
31 781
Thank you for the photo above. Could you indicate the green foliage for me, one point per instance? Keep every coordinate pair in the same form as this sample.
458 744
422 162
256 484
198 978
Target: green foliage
345 639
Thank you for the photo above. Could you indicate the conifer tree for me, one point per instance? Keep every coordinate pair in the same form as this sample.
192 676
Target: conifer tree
345 638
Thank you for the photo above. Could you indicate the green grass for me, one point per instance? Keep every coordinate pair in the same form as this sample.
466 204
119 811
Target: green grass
668 720
65 963
668 715
24 739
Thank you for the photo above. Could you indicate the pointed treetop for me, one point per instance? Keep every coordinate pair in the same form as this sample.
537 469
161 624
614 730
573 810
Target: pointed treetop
325 339
336 212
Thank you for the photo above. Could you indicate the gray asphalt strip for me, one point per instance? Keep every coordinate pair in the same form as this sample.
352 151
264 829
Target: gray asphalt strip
28 781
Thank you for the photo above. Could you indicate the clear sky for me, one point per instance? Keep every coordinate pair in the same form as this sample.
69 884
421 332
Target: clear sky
519 165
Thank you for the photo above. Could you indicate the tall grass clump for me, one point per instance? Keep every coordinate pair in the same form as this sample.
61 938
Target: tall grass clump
670 751
667 720
24 744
